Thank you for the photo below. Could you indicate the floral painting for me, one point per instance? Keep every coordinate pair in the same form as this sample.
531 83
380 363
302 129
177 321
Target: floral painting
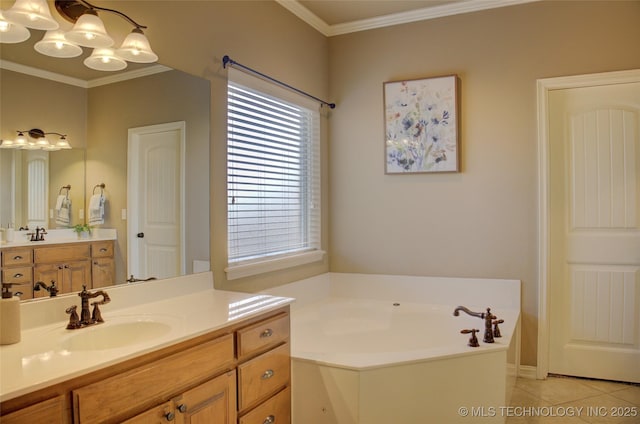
421 125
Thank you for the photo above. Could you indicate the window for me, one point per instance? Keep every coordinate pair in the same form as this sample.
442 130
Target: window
273 178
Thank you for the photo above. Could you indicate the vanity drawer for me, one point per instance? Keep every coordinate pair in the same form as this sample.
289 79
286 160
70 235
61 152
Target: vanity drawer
263 376
61 253
18 275
102 249
14 257
263 335
276 410
122 395
49 411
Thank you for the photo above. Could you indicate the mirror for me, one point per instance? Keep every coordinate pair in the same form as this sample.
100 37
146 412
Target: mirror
97 119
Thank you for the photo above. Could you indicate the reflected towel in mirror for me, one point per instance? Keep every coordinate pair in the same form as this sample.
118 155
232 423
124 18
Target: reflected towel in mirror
96 209
63 210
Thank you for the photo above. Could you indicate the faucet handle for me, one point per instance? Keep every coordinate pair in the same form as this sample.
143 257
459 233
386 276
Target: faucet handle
496 330
74 320
473 340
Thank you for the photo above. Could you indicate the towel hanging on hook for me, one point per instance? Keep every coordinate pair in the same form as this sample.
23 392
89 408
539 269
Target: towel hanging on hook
96 206
63 207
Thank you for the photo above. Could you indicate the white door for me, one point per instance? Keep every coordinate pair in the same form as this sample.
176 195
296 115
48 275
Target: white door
594 231
155 204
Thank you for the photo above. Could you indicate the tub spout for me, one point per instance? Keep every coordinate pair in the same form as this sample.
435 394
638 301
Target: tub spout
488 318
456 312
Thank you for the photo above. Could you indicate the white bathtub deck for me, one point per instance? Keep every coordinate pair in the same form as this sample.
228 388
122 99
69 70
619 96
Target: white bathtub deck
348 369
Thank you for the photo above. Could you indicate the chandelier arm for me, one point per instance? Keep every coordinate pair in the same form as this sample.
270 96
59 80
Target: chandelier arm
122 15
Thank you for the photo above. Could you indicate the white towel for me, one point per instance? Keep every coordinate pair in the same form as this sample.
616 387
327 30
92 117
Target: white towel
96 209
63 211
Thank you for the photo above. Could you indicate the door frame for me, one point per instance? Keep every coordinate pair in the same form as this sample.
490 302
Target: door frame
132 182
544 86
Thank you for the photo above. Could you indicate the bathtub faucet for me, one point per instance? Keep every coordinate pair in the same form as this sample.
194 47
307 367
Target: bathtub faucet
488 318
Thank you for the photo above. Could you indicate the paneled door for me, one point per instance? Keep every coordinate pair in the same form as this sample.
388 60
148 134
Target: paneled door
594 231
155 229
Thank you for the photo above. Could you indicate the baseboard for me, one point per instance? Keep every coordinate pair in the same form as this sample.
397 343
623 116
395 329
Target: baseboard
528 371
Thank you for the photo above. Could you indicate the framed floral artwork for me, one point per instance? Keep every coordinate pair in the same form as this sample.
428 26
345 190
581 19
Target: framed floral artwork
421 125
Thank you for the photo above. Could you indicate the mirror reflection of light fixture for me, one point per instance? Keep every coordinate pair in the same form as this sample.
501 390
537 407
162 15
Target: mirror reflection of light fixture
37 140
88 31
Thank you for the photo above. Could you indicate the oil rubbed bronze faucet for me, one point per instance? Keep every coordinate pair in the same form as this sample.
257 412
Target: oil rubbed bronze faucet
86 316
488 318
52 289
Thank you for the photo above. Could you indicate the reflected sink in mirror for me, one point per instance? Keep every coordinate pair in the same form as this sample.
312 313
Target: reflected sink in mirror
116 334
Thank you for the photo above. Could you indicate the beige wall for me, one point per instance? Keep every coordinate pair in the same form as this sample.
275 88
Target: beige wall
165 97
193 37
29 102
481 222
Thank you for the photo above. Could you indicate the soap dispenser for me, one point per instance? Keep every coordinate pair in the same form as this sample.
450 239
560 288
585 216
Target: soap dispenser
9 316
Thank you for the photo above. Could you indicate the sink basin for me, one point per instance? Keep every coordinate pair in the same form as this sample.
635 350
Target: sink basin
115 335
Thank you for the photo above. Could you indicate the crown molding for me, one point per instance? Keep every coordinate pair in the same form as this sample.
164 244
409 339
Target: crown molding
77 82
41 73
464 6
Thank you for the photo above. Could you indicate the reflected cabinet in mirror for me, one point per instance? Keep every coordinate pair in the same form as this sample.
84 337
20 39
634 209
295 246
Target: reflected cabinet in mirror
145 136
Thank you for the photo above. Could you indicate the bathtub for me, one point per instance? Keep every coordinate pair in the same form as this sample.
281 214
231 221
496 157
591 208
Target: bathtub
374 349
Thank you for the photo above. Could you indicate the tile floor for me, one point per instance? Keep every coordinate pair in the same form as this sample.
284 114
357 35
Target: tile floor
573 401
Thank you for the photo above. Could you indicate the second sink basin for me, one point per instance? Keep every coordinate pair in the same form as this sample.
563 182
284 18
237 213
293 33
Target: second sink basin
115 335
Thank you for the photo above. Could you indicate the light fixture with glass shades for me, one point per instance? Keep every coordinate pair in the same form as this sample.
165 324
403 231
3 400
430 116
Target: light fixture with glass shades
35 139
88 31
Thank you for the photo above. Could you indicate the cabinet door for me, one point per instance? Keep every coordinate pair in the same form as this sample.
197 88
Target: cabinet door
213 402
78 274
102 272
48 273
161 414
69 277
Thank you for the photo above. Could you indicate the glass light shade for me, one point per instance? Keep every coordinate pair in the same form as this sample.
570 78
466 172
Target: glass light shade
31 146
42 142
89 32
136 48
105 60
21 140
12 33
32 14
62 143
54 44
7 144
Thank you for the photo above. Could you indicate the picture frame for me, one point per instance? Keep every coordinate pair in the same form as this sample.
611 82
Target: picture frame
421 125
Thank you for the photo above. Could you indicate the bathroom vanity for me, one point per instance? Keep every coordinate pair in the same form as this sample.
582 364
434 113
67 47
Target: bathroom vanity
204 356
67 260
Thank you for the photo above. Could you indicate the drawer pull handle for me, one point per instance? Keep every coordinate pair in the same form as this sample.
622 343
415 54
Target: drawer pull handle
266 333
182 408
17 258
269 420
268 374
169 416
104 249
18 275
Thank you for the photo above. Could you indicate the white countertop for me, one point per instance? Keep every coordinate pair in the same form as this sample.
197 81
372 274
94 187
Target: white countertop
189 304
57 236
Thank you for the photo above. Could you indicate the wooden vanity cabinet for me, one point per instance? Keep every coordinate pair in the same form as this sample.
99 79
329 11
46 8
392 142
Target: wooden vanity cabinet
17 268
103 268
70 265
213 402
264 372
239 374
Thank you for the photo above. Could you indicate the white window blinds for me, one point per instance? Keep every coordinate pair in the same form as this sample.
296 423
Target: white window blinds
273 175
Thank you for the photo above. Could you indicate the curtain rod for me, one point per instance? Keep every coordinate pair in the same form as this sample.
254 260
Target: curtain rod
226 60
